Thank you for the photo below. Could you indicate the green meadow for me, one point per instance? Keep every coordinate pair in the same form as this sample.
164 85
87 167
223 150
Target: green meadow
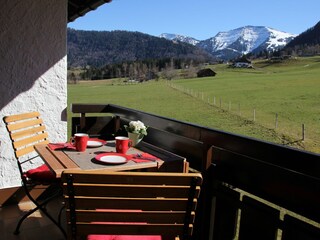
272 101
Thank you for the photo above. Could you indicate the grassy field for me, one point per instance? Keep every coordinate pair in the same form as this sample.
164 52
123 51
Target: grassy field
289 89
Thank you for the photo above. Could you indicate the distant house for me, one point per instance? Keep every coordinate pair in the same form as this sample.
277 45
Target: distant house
242 63
206 72
281 58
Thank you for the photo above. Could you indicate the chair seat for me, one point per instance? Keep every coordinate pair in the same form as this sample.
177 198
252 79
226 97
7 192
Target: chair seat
106 205
41 174
26 130
122 237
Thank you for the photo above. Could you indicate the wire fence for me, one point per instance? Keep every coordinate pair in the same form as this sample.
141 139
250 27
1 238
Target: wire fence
267 120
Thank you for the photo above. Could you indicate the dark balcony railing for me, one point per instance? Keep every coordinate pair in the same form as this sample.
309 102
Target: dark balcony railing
252 189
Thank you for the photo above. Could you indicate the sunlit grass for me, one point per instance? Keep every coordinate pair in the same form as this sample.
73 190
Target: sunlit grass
290 90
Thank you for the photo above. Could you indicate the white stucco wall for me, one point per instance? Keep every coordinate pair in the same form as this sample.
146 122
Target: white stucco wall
33 71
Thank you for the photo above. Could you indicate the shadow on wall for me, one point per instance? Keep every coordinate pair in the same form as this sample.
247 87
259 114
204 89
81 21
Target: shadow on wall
33 40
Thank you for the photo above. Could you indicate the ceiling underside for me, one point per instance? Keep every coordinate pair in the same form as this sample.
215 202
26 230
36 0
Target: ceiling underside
78 8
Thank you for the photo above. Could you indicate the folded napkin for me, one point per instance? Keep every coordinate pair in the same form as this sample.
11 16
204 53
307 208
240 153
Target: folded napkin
57 146
143 157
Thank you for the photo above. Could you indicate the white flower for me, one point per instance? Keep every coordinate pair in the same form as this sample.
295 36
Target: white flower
136 127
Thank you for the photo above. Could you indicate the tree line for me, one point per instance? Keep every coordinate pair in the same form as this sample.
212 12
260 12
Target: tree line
139 71
98 49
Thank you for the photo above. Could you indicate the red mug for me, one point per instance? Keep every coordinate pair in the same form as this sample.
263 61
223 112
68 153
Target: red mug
80 141
123 144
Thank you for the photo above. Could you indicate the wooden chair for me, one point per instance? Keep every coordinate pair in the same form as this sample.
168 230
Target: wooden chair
127 205
25 131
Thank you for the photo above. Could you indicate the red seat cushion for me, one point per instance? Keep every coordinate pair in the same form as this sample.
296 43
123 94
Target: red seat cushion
41 173
122 237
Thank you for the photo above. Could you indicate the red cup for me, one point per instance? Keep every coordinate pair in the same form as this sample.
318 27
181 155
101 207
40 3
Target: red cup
123 144
80 141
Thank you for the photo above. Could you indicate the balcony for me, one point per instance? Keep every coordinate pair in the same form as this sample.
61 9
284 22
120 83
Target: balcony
252 189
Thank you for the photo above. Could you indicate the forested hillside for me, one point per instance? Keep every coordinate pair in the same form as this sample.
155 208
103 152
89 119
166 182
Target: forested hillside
100 48
307 43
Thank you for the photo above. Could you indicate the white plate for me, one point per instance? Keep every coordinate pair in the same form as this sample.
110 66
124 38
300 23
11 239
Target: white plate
113 159
94 144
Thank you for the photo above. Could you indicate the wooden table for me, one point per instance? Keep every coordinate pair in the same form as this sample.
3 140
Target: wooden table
60 160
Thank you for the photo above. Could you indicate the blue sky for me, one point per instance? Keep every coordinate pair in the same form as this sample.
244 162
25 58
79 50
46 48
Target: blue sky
200 19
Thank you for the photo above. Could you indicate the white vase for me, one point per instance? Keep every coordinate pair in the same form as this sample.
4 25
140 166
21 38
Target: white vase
135 138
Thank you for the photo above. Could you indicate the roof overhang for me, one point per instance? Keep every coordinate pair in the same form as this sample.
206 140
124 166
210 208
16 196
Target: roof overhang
78 8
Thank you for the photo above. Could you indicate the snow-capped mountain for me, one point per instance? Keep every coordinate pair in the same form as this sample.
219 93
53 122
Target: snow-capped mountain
244 40
181 38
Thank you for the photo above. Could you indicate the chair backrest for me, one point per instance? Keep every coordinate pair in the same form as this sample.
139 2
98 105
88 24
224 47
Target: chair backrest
25 131
130 203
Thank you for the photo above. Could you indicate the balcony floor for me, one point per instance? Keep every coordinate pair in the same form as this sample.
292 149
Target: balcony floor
34 227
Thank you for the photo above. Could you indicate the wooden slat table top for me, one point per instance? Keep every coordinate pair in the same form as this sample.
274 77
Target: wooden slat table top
57 161
86 160
60 160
